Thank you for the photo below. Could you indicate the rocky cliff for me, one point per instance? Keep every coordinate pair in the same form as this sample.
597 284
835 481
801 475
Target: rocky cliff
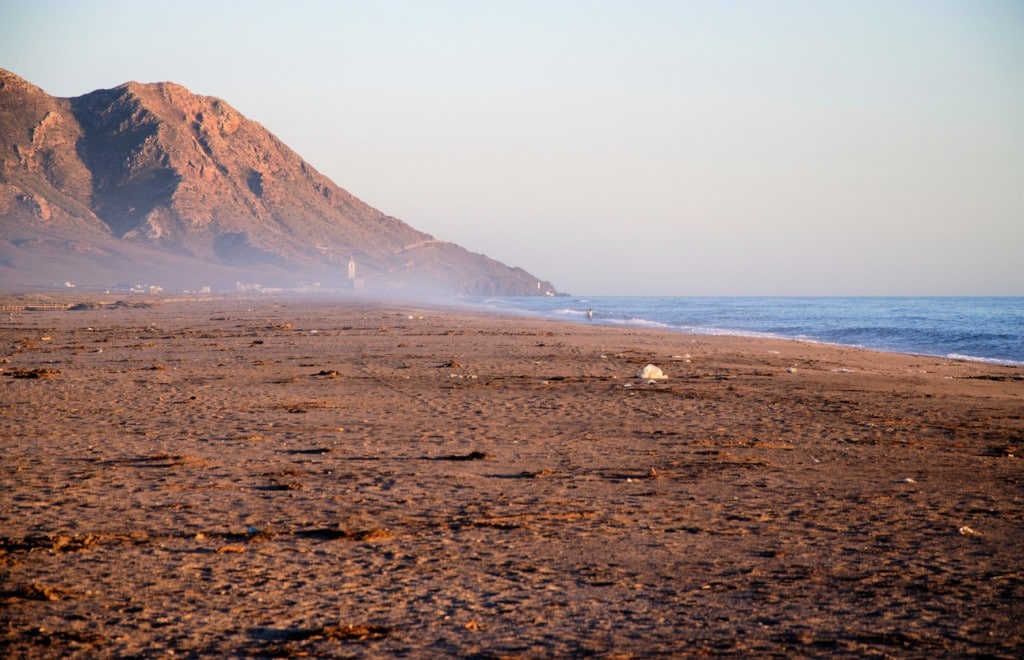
151 183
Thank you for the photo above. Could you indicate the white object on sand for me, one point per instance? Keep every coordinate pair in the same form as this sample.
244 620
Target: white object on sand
651 372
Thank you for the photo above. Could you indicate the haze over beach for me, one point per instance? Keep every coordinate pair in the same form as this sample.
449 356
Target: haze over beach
654 148
288 366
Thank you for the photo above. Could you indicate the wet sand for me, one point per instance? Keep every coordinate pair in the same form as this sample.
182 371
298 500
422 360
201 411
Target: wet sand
251 477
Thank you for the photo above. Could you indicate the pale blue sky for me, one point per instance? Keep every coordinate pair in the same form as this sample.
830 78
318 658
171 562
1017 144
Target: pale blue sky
632 147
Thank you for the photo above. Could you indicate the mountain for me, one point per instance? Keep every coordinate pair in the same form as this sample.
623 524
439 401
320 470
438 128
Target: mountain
149 183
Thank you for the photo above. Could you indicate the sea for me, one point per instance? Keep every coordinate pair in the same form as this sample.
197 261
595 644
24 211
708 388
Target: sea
987 329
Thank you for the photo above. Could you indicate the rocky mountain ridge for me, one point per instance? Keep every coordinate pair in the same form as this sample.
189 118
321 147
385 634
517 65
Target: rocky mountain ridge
149 182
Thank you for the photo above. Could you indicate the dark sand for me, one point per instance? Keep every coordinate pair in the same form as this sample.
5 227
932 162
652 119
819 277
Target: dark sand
245 477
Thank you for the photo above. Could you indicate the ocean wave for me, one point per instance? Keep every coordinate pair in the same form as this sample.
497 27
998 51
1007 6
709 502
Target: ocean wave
974 358
731 332
638 322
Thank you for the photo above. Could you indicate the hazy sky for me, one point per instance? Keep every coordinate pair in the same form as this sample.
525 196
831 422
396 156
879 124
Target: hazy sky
632 147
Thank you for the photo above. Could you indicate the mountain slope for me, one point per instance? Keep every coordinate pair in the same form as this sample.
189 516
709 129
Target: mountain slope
149 182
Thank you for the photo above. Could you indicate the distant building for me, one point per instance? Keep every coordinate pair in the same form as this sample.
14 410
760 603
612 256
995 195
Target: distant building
351 268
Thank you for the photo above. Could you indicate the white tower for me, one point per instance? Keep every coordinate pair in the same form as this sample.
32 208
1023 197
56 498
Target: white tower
351 268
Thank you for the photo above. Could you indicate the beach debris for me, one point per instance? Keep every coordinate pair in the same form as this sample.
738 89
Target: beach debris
539 474
907 480
341 633
967 531
33 373
277 485
791 370
471 456
34 591
326 373
651 373
359 535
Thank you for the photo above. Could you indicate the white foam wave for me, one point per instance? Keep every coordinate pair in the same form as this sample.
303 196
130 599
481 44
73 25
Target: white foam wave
973 358
729 332
641 323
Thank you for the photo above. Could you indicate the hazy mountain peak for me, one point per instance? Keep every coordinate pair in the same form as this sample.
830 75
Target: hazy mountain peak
152 167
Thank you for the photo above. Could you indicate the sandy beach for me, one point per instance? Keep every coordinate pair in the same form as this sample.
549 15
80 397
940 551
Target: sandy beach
287 478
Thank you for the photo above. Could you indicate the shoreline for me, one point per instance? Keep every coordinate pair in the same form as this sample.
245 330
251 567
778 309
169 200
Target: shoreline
638 322
257 477
461 306
662 327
